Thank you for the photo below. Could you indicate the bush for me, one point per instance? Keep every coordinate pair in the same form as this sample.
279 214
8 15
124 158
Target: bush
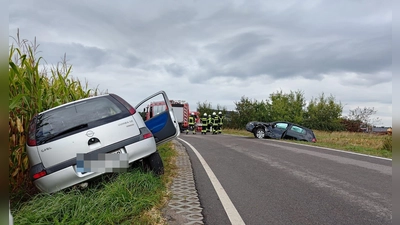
387 143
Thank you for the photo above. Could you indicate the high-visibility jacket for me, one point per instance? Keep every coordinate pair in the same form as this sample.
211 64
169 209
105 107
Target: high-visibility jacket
191 120
216 120
204 121
221 119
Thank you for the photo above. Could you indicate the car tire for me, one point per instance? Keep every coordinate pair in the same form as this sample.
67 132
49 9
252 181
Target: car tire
154 164
259 133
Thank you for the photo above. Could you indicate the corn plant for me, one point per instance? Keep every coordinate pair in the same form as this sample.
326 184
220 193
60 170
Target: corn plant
32 89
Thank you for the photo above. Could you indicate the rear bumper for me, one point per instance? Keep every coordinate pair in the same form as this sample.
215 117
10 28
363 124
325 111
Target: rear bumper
68 176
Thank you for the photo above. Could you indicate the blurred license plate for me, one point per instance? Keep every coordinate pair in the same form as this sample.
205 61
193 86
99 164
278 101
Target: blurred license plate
116 161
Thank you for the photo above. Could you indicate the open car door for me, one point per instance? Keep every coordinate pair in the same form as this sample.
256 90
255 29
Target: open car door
159 117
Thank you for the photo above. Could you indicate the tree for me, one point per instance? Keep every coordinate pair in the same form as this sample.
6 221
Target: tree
287 107
365 116
248 110
324 114
204 107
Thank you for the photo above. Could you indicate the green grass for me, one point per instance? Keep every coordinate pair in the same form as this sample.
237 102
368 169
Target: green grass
364 143
133 197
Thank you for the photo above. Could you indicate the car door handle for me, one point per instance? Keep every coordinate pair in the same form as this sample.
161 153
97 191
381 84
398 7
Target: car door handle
93 141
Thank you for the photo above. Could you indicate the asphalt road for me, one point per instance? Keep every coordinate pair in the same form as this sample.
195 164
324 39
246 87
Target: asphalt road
273 182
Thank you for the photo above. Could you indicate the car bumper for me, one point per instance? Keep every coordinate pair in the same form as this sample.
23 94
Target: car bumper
69 176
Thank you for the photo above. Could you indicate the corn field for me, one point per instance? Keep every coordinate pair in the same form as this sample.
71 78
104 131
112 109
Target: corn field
33 88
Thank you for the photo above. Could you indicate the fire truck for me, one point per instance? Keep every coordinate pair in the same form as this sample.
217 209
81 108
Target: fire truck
181 111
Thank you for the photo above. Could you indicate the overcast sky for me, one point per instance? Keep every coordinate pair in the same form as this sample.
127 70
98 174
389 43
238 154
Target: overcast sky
219 51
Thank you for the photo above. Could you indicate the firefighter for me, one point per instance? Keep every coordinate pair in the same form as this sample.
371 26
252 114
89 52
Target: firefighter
192 123
215 126
204 124
221 121
210 123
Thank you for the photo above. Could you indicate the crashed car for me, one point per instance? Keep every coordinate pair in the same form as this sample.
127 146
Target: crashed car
281 130
75 142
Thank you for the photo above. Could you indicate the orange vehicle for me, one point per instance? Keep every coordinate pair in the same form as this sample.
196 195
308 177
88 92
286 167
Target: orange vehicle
180 108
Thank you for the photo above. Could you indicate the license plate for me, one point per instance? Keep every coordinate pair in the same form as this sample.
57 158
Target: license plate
104 162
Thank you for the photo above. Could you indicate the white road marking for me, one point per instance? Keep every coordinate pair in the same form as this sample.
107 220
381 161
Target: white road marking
230 209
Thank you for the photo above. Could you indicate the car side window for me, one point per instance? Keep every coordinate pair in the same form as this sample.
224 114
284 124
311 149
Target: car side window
281 125
298 129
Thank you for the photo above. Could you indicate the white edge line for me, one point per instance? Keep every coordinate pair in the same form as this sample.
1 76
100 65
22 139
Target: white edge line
331 149
230 209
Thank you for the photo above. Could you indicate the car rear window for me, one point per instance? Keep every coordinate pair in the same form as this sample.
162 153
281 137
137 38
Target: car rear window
89 113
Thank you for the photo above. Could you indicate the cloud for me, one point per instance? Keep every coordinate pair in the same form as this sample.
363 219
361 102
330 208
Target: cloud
219 50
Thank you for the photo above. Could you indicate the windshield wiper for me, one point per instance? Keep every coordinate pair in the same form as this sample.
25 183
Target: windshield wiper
78 127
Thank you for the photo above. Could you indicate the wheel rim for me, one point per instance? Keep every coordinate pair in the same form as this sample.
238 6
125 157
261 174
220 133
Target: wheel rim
260 133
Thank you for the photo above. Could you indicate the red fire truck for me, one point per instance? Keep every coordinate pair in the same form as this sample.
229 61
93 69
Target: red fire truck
181 111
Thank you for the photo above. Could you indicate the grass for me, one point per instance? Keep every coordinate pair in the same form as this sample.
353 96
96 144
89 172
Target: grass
133 197
364 143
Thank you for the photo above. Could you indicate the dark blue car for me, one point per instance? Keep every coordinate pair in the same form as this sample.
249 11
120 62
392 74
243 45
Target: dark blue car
281 130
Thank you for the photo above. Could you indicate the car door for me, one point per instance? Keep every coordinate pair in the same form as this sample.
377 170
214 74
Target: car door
159 117
295 132
278 129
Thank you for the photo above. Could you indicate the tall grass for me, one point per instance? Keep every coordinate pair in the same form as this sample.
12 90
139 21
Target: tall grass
133 197
33 88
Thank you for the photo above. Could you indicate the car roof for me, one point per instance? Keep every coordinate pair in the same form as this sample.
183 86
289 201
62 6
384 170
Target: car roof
75 101
291 124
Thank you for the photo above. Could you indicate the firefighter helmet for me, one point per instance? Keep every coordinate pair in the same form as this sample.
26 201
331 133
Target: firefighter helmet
214 114
192 114
220 113
205 114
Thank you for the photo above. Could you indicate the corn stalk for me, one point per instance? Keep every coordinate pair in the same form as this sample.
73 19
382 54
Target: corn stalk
32 90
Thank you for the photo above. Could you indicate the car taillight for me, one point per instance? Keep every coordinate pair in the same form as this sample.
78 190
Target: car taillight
132 111
31 137
148 135
39 175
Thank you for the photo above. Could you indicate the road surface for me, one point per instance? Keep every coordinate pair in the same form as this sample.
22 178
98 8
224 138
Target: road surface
256 181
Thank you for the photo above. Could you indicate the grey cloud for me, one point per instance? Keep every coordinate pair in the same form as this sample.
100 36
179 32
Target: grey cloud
77 54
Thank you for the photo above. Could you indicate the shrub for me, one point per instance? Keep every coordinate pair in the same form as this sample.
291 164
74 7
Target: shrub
387 143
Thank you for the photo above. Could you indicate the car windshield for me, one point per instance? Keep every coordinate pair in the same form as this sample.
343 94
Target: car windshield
59 120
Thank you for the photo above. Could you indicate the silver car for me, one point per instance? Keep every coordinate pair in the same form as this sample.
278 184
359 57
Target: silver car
75 142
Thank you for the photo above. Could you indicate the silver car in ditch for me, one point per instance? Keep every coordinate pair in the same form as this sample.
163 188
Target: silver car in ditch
75 142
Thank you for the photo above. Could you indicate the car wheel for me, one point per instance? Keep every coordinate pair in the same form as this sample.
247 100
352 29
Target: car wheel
259 133
154 163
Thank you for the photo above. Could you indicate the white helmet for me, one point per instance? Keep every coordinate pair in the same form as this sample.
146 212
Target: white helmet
205 114
220 113
192 114
214 114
